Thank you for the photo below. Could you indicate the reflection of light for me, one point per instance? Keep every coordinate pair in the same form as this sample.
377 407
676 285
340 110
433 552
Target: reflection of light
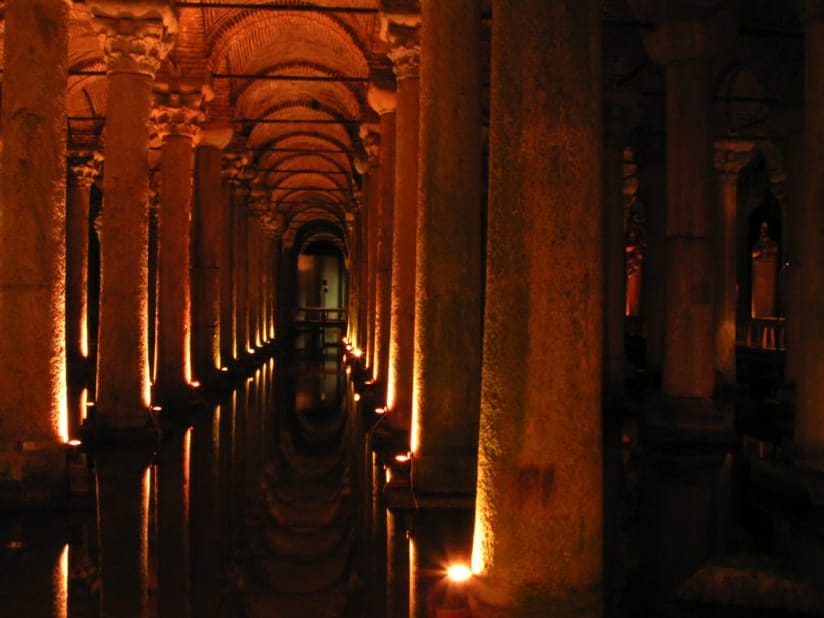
357 352
195 384
344 340
381 410
61 584
402 458
458 572
84 403
224 369
348 370
157 408
388 474
74 442
357 397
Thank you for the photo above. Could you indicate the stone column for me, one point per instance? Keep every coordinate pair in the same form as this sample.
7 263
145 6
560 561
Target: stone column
272 229
729 158
383 102
371 208
208 228
84 173
448 308
809 428
33 245
654 195
240 230
406 58
257 203
135 43
682 46
227 259
538 523
176 120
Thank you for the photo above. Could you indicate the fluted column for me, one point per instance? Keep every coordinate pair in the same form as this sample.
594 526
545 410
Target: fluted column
208 228
176 120
682 46
33 246
135 43
809 414
538 526
84 172
383 102
729 158
406 59
448 259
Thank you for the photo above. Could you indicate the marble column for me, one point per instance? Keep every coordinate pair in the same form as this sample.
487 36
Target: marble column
135 42
809 428
208 229
371 208
383 102
538 523
240 231
84 172
176 120
447 366
33 245
406 59
729 158
227 258
682 46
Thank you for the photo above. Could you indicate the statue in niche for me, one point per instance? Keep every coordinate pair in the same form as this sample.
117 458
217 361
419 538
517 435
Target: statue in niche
764 273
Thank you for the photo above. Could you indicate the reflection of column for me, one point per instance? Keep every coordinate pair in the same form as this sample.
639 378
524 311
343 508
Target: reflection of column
123 488
177 125
397 566
448 269
33 244
208 229
729 158
383 102
538 530
809 415
134 47
406 57
688 350
173 524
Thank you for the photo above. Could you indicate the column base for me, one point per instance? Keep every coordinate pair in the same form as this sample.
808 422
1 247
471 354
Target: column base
444 474
105 430
32 472
487 602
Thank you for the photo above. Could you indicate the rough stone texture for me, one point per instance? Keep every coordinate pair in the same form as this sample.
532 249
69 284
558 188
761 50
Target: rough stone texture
448 259
134 51
254 246
173 361
227 291
402 321
372 222
809 430
208 230
538 527
32 229
383 270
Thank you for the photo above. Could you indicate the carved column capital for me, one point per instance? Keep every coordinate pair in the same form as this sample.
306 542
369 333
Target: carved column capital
403 35
258 202
176 113
729 158
679 39
85 167
135 37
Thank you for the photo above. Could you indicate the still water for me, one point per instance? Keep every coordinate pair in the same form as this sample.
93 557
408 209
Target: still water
244 509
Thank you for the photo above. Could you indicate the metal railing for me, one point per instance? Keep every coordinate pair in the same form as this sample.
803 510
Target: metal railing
319 316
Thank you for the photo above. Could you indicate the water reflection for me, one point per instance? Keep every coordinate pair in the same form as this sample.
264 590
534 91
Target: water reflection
244 508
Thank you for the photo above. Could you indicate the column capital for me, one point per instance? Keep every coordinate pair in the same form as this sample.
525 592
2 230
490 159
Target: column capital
679 39
274 224
403 33
85 167
136 36
382 100
177 112
259 200
729 157
215 135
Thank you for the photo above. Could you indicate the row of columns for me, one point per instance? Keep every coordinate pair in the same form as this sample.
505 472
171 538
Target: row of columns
41 327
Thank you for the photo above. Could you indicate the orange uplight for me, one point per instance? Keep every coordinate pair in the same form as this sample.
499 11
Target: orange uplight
224 369
381 410
357 352
458 573
357 397
195 384
402 458
157 408
74 442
